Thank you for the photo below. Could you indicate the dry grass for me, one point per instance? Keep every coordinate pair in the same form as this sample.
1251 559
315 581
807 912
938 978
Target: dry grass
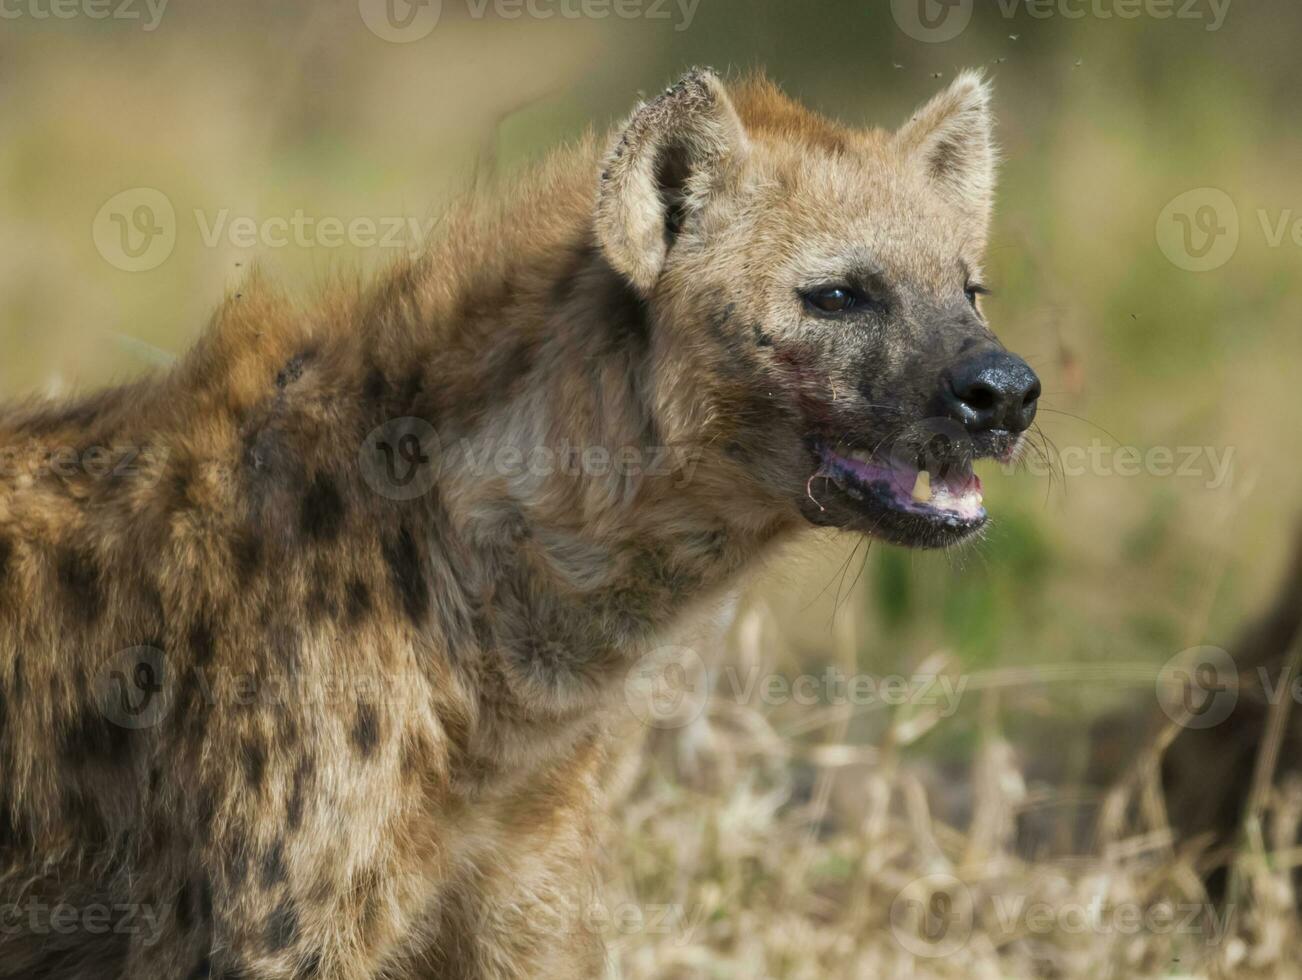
750 853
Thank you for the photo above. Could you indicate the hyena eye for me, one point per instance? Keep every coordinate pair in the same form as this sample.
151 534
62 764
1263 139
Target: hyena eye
973 290
831 299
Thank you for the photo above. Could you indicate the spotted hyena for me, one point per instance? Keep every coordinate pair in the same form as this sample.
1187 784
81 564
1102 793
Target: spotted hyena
311 646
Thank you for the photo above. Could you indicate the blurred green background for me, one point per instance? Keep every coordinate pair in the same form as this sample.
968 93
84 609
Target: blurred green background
246 109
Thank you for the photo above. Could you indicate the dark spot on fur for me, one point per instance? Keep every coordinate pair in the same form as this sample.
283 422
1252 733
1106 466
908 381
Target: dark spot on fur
762 339
263 449
320 605
273 870
287 728
6 556
402 555
201 643
366 730
729 339
359 601
80 812
282 928
322 514
159 834
78 577
205 900
237 866
623 313
206 809
246 549
13 836
202 970
176 487
375 385
298 792
254 759
412 387
94 740
292 371
185 908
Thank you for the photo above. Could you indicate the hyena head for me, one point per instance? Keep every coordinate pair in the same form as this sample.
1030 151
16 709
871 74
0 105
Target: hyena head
814 299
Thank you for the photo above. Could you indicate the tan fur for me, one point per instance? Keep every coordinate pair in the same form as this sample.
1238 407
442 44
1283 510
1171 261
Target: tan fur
414 788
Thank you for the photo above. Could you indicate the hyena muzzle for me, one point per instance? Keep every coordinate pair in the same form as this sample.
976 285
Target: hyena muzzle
311 648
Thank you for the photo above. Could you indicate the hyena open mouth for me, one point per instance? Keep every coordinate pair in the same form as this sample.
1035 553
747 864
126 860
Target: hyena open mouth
950 496
920 498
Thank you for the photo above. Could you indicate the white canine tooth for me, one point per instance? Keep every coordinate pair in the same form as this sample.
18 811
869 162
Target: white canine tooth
922 487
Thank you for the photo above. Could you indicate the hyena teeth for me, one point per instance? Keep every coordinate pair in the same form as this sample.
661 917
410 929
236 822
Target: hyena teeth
922 487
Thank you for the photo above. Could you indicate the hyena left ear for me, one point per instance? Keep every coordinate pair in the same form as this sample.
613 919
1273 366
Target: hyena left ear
671 155
952 138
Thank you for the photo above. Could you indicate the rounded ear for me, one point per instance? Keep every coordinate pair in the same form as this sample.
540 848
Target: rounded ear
667 160
952 139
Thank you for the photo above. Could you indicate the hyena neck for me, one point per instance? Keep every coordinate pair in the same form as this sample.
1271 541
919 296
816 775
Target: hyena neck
586 532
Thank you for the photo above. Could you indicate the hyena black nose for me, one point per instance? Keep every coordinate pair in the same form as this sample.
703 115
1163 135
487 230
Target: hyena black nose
991 390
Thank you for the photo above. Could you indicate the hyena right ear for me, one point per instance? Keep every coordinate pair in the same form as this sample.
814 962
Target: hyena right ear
671 155
951 138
